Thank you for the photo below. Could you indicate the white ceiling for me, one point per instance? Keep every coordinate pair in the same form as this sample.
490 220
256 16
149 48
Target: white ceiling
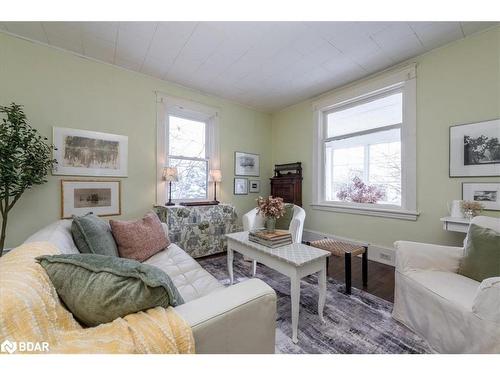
264 65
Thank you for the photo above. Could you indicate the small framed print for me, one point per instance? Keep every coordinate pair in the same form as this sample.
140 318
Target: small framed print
240 186
79 197
254 186
246 164
487 193
475 149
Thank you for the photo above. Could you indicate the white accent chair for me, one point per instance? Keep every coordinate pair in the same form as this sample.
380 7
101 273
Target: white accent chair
253 220
453 313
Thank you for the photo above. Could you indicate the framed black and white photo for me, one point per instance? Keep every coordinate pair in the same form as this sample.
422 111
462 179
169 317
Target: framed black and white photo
79 197
88 153
475 149
246 164
254 186
486 193
240 186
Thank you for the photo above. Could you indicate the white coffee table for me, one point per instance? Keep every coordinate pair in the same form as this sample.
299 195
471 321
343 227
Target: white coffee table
295 261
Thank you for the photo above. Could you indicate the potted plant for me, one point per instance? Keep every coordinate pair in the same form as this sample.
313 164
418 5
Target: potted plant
25 160
272 209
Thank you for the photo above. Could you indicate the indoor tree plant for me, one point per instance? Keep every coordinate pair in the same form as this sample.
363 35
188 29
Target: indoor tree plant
25 160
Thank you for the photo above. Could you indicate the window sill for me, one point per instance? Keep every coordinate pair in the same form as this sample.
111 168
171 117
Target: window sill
393 213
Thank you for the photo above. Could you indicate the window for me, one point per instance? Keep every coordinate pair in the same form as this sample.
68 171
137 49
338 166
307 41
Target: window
363 149
364 155
188 153
187 140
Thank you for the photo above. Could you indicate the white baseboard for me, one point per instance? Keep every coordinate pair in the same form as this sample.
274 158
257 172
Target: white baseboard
377 253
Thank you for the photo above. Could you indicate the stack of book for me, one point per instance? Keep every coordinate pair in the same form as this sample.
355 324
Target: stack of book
270 239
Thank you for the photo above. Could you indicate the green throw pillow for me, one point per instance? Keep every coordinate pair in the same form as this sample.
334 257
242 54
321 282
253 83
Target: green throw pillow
98 288
482 254
284 221
93 235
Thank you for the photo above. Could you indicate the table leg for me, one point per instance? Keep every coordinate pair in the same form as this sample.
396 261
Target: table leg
322 292
230 257
295 296
254 267
365 267
347 273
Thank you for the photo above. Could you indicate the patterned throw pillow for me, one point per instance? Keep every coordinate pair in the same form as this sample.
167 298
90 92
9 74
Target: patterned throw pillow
98 289
93 235
139 239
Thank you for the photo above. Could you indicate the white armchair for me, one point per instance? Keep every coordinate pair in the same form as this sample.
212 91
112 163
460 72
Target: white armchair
453 313
252 220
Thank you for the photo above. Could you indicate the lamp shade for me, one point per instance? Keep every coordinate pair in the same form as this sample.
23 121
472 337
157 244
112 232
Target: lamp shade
170 174
216 175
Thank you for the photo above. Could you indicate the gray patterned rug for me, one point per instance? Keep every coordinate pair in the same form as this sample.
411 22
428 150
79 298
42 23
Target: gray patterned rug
360 323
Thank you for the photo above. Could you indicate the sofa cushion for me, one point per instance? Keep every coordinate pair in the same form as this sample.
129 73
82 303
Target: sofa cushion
482 254
92 235
450 286
58 234
284 221
188 276
139 239
98 289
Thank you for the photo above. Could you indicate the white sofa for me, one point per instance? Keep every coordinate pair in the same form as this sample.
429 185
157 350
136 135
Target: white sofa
236 319
253 220
453 313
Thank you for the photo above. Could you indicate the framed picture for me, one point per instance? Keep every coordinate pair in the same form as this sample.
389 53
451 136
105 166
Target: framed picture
240 186
87 153
475 149
254 186
486 193
246 164
79 197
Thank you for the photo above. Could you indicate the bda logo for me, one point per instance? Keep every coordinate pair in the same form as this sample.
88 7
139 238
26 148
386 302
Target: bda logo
8 347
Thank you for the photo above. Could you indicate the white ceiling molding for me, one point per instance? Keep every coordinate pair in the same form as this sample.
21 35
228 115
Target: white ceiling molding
263 65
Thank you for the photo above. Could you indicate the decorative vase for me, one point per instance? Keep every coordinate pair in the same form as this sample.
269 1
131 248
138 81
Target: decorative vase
271 224
469 214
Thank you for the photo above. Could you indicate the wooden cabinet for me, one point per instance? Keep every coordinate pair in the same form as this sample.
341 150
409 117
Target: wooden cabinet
287 183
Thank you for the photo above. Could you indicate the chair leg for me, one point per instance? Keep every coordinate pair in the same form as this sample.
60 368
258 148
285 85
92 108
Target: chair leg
347 258
365 266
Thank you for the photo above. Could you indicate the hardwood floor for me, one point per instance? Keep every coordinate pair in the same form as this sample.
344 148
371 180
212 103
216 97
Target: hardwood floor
380 276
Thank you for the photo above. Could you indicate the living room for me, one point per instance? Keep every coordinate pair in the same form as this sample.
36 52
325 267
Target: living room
249 187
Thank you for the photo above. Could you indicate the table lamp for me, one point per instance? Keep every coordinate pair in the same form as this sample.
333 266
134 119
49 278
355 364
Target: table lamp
215 176
170 174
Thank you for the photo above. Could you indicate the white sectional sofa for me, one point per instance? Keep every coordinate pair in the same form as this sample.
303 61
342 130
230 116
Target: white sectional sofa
236 319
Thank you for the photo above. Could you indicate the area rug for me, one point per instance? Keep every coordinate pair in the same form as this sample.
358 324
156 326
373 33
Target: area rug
360 323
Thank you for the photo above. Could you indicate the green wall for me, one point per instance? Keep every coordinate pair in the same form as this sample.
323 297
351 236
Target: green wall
58 88
458 83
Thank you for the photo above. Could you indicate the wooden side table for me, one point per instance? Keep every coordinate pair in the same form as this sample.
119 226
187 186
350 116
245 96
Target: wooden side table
346 250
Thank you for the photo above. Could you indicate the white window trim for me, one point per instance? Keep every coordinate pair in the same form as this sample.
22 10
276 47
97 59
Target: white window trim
166 105
405 79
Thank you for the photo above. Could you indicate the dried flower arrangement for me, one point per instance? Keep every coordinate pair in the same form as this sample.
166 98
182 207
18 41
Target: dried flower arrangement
271 207
471 208
359 192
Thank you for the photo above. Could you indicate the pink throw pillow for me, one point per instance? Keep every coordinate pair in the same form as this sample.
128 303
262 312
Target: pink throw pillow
139 239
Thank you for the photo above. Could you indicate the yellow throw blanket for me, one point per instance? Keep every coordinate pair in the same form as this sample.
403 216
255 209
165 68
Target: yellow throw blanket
31 312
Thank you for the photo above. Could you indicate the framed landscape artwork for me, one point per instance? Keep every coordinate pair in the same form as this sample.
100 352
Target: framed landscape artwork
87 153
240 186
475 149
246 164
81 197
487 193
